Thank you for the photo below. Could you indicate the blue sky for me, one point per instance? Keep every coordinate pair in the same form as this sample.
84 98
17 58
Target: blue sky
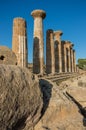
66 15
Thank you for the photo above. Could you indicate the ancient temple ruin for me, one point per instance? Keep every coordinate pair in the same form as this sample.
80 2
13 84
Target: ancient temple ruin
60 55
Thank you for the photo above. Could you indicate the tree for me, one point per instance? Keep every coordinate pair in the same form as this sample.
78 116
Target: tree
82 64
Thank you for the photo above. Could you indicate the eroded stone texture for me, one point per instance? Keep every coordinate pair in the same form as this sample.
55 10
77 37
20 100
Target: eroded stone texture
74 60
68 46
58 53
20 98
64 58
50 54
19 41
38 47
71 57
61 112
7 57
67 56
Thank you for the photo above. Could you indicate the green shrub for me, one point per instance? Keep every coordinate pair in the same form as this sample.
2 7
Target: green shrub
82 64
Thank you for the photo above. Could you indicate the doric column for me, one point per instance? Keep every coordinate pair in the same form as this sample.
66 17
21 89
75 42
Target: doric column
71 57
38 47
68 46
58 53
19 41
50 57
68 60
64 57
74 61
69 66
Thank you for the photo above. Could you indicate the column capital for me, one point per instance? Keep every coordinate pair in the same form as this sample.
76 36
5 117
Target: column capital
59 33
68 44
72 45
38 13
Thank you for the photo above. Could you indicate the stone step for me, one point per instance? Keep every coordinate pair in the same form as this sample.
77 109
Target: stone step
60 77
55 77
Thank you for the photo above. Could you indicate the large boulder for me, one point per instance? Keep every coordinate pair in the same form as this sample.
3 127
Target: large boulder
7 56
20 98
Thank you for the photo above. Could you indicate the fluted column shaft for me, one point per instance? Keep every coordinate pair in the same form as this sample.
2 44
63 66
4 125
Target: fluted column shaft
64 57
74 60
72 65
69 65
50 56
58 53
38 60
38 47
19 41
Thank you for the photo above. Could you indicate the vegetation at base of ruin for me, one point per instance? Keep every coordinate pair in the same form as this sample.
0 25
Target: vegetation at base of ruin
82 64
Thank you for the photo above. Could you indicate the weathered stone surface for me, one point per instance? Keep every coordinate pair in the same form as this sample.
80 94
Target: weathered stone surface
67 56
50 54
20 98
38 48
58 53
19 41
7 56
60 112
38 13
71 57
77 88
74 60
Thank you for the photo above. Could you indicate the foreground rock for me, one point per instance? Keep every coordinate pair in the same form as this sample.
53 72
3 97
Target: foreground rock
76 87
60 112
20 99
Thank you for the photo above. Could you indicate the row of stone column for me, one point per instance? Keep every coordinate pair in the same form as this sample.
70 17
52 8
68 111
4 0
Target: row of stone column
60 56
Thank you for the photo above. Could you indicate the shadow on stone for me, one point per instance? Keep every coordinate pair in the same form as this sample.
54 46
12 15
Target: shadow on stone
46 128
20 124
46 89
56 56
36 56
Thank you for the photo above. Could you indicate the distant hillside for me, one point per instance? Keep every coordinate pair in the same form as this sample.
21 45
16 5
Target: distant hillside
82 64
